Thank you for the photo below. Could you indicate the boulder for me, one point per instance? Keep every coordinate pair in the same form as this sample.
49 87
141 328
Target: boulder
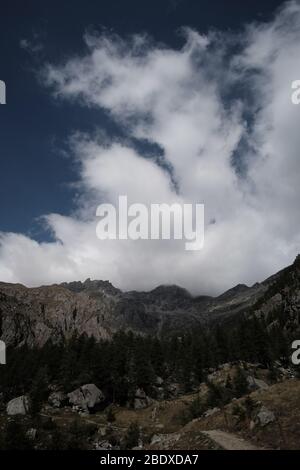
18 406
86 397
265 416
141 400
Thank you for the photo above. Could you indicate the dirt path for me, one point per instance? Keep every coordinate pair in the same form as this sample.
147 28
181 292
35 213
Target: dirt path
229 441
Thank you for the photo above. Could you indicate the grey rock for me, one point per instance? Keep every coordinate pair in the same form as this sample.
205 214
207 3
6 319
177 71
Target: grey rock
18 406
265 416
86 397
141 400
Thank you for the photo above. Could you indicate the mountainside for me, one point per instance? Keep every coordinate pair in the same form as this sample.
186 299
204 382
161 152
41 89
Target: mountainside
34 315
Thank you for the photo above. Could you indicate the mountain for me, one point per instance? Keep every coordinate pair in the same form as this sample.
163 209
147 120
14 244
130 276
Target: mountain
34 315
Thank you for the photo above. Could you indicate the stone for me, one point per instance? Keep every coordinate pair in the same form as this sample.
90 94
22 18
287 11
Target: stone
85 397
18 406
265 416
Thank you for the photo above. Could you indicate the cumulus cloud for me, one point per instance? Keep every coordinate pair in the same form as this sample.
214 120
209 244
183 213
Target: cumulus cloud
220 111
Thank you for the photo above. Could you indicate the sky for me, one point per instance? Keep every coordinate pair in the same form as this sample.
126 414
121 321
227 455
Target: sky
164 101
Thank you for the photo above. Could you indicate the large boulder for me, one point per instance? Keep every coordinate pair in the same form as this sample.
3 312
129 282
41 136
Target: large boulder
18 406
86 397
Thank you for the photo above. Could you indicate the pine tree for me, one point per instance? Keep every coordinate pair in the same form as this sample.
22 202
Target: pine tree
38 392
240 384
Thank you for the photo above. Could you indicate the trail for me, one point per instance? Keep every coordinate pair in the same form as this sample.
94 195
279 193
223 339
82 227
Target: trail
229 441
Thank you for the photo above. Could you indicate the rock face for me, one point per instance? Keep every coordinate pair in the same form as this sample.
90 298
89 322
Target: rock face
86 397
280 304
96 308
18 406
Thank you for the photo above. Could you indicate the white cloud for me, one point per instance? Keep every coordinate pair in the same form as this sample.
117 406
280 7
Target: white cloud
189 102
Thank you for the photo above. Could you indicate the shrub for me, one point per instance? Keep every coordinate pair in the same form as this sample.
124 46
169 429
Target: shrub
131 438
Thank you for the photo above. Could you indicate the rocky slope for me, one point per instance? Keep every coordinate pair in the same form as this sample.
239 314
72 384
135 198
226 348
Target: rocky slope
33 315
265 416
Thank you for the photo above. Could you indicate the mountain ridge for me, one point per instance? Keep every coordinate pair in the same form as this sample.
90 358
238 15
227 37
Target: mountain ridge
96 308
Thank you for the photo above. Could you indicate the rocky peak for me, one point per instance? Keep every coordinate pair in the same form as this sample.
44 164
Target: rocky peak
96 308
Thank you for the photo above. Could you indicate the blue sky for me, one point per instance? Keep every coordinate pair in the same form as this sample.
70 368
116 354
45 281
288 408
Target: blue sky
108 98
